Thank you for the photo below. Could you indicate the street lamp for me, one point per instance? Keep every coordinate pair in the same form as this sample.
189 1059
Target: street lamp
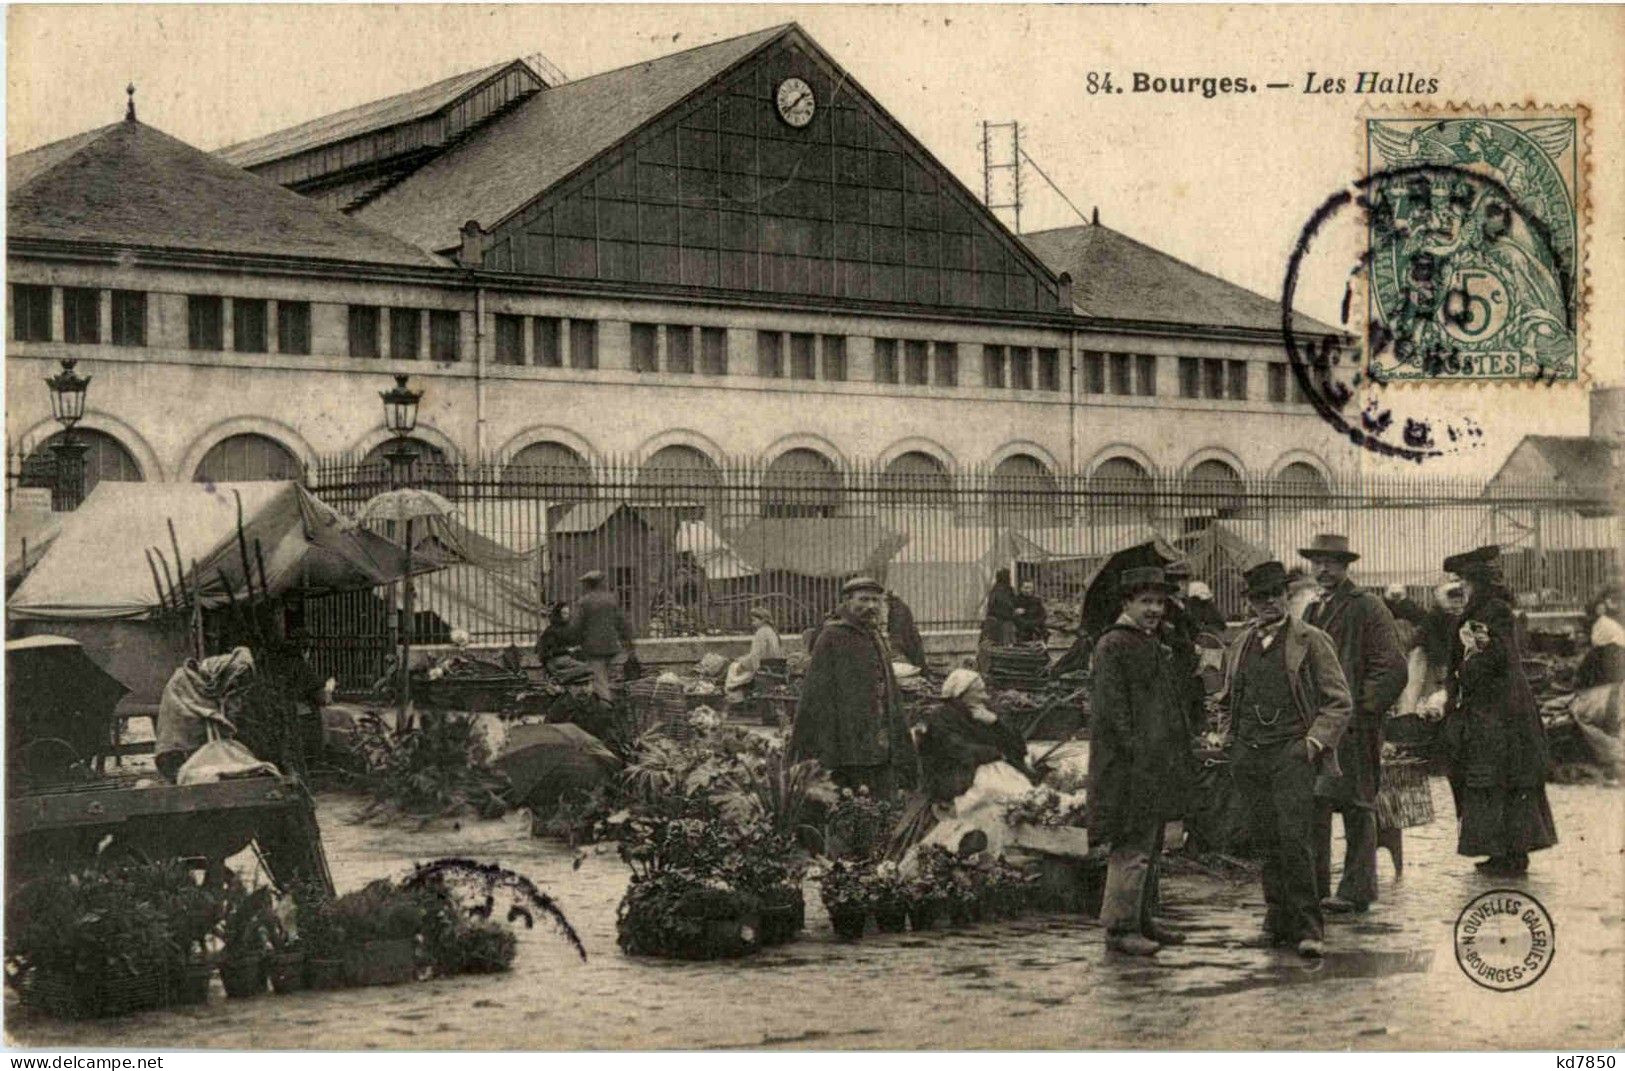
400 417
68 389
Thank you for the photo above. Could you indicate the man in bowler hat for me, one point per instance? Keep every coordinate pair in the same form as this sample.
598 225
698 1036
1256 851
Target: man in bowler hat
1362 631
1140 766
1288 706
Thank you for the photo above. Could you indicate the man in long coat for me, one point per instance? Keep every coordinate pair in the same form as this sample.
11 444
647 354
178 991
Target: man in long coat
1288 707
601 629
850 716
1368 652
902 632
1140 765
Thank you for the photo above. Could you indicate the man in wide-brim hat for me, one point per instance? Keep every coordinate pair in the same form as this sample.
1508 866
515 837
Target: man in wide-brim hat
1140 765
850 716
1288 706
1362 631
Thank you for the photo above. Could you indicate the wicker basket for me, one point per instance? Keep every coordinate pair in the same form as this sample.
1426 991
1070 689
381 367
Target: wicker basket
1405 799
94 996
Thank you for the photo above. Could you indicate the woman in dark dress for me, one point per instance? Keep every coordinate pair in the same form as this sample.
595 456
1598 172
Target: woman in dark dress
1492 733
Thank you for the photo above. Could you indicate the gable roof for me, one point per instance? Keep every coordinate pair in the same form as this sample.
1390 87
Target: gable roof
1115 277
502 167
1579 461
362 119
129 184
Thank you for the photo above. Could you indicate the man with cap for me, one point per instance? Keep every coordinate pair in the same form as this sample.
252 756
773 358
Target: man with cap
601 631
1287 705
850 716
579 704
1362 631
1140 765
1493 737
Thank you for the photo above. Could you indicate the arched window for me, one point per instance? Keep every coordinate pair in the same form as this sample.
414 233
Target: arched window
1302 480
548 470
1121 484
1024 492
801 483
248 457
677 476
1214 485
916 478
429 468
105 459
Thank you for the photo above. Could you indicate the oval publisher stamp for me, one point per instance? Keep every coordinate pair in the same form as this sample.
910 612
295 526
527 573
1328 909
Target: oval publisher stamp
1505 940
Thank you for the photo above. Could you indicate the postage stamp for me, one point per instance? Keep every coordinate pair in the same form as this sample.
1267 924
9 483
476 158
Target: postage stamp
1476 222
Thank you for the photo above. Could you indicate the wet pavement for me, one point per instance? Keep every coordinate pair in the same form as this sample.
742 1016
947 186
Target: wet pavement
1389 980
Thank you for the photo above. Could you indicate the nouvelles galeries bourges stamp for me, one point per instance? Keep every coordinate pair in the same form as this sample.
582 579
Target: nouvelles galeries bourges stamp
1476 219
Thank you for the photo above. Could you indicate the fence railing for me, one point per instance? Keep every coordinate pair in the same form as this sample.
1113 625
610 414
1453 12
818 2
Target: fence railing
688 551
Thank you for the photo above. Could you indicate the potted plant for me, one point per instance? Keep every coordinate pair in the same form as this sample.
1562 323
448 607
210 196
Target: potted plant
888 898
483 947
322 937
847 897
246 936
196 912
380 925
285 966
678 912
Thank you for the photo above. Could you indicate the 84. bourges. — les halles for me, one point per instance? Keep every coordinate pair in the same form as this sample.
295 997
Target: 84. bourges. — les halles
1374 83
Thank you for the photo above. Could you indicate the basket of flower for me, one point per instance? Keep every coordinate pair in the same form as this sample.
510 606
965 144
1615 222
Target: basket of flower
678 913
1047 820
888 897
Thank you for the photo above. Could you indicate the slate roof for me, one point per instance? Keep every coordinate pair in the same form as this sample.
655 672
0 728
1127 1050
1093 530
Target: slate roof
362 119
1115 277
1578 461
129 184
503 166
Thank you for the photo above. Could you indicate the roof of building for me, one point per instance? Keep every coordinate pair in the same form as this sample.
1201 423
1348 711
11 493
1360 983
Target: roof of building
362 119
503 166
130 184
1579 461
1115 277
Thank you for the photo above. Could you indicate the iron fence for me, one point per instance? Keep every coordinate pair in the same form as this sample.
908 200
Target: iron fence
689 550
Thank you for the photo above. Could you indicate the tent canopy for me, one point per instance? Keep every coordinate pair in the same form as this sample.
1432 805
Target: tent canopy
97 568
831 547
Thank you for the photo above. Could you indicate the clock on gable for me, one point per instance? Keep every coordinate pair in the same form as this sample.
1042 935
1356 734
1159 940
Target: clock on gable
795 103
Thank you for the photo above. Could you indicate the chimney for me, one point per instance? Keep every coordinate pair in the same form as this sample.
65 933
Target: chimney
1094 215
475 240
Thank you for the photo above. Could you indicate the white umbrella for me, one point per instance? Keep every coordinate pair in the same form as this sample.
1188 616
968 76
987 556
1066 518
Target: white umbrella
405 504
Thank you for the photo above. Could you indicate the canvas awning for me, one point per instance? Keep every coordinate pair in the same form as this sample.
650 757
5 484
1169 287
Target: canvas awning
832 547
97 568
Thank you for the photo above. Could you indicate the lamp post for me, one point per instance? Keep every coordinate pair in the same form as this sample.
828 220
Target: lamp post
68 389
401 417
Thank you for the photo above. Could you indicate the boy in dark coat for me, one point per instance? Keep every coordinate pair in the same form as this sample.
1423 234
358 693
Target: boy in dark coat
1288 706
1030 615
1362 631
1140 765
850 716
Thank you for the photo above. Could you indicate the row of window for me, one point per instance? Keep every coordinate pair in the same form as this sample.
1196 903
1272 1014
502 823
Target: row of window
548 343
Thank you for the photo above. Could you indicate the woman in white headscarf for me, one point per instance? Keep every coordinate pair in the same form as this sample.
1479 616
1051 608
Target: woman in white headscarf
971 764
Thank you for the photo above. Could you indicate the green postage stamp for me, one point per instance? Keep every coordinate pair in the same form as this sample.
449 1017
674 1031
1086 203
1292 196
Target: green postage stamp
1476 224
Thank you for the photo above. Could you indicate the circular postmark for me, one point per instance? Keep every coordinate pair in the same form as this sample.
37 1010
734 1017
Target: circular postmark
1505 940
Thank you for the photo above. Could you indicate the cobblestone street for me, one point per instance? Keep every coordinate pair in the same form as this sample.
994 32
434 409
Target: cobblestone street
1389 980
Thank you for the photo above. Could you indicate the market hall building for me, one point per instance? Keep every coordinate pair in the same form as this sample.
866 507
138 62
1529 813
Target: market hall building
728 252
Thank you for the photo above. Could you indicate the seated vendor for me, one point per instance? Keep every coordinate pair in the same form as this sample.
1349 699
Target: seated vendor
580 704
197 705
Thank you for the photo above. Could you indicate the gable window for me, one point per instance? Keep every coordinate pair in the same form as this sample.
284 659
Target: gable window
510 340
714 351
992 366
81 314
679 349
803 358
1212 378
1049 369
445 331
916 362
1121 365
205 322
583 343
30 313
293 327
833 357
1190 377
1236 380
544 341
644 357
364 331
1278 377
248 325
885 360
769 354
1094 373
1145 375
405 334
129 318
